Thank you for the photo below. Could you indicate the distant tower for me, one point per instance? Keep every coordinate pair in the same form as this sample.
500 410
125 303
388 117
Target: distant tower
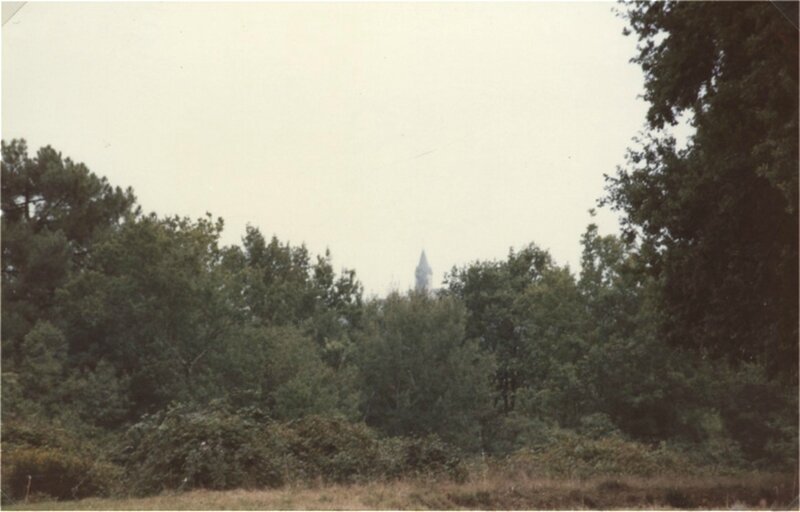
423 274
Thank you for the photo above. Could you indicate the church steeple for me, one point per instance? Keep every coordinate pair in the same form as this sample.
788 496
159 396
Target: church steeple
423 274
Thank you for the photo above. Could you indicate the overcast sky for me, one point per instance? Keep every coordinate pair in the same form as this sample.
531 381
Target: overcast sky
376 130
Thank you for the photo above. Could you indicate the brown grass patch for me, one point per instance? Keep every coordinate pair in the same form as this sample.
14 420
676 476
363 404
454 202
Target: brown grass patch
493 491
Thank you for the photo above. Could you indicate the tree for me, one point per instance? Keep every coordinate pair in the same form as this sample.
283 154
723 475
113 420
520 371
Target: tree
42 368
649 390
100 397
497 312
282 287
420 375
153 304
280 371
552 323
54 193
54 211
717 221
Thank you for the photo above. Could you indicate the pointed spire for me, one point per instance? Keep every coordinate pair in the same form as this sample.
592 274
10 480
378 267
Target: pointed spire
423 274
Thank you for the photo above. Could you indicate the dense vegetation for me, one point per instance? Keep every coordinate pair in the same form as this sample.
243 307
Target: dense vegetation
140 355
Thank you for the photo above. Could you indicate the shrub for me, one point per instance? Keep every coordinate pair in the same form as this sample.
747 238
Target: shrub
509 433
598 425
430 456
573 455
718 453
761 416
35 432
328 448
183 449
61 463
56 473
426 456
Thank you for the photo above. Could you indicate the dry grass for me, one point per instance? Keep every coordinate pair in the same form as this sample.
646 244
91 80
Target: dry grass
489 492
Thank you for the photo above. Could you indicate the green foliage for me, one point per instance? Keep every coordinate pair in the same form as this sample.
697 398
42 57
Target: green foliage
282 287
53 211
61 462
37 432
760 416
281 370
419 373
494 294
718 220
568 454
301 383
427 456
509 433
628 374
121 313
160 279
718 453
101 397
338 451
330 449
284 375
576 352
43 354
215 448
597 426
185 448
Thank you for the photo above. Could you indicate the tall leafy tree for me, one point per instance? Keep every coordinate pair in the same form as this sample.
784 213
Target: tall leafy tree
420 375
54 211
282 286
154 305
280 370
494 294
718 219
648 389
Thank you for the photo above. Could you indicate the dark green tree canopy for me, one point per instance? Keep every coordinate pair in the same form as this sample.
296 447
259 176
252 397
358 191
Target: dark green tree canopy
493 292
717 220
53 211
420 374
49 192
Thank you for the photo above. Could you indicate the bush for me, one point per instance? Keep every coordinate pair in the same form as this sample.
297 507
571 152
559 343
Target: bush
60 462
598 425
512 432
573 455
328 448
34 433
718 453
430 456
338 451
56 473
215 448
184 449
419 457
761 416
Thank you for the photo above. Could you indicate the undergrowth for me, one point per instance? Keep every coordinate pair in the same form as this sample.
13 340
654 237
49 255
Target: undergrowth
182 449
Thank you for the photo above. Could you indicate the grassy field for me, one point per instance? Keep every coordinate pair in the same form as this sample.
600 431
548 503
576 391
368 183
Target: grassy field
752 491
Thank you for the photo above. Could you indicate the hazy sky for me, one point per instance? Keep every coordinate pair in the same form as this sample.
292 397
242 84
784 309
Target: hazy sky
376 130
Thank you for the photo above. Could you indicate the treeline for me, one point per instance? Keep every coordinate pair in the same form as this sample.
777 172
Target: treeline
121 327
139 354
